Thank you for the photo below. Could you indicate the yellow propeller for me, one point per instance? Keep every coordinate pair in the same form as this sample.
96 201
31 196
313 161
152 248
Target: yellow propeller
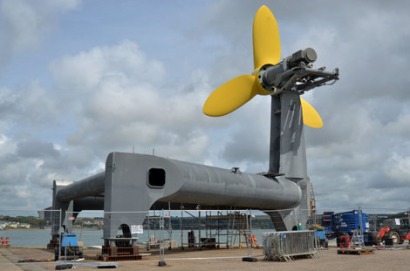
311 117
266 38
266 51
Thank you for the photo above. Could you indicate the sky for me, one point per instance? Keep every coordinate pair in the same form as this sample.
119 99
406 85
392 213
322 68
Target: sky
80 79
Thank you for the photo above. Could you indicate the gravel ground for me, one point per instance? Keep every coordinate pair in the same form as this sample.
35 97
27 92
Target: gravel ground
12 259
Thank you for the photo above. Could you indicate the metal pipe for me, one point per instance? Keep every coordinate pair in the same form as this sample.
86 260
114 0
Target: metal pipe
91 186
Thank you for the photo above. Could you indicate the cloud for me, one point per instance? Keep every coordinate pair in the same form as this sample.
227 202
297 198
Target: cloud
124 63
122 94
123 100
24 23
36 149
397 168
27 107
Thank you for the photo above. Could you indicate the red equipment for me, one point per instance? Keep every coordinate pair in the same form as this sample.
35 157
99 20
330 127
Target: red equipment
344 241
397 229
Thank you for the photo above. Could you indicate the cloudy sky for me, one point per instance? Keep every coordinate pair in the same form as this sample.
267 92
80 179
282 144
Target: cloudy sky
80 79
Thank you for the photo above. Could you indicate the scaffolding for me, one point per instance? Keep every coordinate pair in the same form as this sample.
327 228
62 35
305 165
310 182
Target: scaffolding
311 201
229 229
198 229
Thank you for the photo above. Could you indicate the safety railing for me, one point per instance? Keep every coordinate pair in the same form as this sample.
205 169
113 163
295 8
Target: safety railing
285 245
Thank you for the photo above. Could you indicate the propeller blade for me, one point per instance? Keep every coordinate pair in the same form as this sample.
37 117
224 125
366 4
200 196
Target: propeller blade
266 39
230 96
311 117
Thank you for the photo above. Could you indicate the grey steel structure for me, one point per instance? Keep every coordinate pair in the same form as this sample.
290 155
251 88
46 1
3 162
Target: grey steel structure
132 184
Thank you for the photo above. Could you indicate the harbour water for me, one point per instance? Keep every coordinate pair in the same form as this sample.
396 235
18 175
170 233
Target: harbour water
40 238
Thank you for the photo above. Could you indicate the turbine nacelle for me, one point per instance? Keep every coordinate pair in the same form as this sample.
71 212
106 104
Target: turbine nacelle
294 73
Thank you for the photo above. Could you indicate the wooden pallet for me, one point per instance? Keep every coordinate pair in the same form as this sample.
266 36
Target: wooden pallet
119 253
350 251
106 258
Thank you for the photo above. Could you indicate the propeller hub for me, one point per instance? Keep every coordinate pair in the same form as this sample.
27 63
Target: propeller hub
269 76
